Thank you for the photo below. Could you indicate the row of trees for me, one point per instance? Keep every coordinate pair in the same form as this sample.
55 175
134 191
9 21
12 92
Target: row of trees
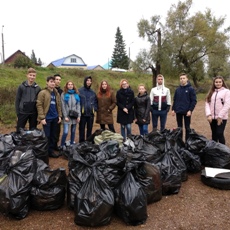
197 44
23 61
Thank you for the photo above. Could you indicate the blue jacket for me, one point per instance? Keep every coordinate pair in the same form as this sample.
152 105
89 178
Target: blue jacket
184 99
88 100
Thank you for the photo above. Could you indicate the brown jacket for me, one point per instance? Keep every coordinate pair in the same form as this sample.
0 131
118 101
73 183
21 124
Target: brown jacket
43 103
105 108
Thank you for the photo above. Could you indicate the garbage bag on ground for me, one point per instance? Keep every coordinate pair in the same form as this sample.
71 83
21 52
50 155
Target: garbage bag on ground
217 155
142 149
130 201
94 203
170 175
32 139
196 144
16 185
192 161
6 145
149 177
49 187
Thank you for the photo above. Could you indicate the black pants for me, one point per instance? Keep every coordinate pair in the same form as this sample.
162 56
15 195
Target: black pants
88 122
111 127
23 118
57 134
218 131
187 122
50 131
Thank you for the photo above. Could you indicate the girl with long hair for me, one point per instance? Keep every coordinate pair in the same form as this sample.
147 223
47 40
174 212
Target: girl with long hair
217 104
106 104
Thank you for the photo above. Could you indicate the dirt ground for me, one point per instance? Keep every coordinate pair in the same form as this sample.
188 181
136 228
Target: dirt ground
196 206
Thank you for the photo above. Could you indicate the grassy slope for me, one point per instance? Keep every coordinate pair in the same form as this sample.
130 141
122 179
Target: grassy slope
11 78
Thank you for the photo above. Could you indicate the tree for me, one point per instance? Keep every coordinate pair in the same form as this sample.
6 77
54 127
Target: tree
33 57
22 61
39 61
189 43
119 56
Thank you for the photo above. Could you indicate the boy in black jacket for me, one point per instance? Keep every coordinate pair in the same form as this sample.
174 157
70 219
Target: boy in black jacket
184 102
25 103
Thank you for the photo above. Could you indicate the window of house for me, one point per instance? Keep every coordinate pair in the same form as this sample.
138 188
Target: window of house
73 60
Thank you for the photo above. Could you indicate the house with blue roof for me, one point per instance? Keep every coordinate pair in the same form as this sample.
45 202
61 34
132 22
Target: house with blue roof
71 61
95 67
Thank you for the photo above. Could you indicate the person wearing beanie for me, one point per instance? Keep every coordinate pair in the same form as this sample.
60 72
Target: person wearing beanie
125 111
89 105
160 102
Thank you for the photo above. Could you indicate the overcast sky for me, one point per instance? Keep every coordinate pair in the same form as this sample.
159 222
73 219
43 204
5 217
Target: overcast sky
87 28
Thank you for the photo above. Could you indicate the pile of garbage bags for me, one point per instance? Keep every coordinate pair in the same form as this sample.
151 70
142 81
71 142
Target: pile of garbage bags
104 176
27 182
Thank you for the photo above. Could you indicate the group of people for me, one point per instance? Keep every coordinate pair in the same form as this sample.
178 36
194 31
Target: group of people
53 106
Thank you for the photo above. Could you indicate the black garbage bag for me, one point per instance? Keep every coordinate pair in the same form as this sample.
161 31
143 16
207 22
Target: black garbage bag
77 177
174 136
141 149
130 201
6 148
32 139
217 155
49 187
149 177
17 183
196 144
6 145
170 174
93 205
192 161
157 138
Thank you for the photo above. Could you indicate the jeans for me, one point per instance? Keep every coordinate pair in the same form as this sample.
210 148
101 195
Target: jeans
143 129
187 121
127 128
218 131
50 132
23 118
65 133
163 117
111 127
88 122
58 130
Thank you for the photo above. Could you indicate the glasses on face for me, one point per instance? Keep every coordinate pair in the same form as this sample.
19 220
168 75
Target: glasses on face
125 83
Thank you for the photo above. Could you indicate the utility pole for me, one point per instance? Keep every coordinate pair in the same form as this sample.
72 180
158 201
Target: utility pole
129 53
3 54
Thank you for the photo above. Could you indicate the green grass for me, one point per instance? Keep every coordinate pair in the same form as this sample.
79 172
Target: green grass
10 79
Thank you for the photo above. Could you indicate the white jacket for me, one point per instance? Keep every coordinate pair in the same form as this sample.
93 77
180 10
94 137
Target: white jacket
160 97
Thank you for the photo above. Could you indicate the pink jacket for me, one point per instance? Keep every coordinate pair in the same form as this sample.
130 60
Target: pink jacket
219 105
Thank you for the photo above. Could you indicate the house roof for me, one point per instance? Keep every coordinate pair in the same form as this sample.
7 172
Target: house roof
15 53
94 67
60 62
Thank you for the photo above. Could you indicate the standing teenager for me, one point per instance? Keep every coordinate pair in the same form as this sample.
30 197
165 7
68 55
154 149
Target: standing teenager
88 101
70 100
184 102
59 89
217 105
142 109
106 104
125 111
25 103
49 112
160 101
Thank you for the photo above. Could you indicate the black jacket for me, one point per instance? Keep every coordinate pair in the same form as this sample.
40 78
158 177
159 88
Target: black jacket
184 99
125 99
142 109
26 98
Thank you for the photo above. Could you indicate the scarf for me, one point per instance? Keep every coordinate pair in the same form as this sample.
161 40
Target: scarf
67 95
